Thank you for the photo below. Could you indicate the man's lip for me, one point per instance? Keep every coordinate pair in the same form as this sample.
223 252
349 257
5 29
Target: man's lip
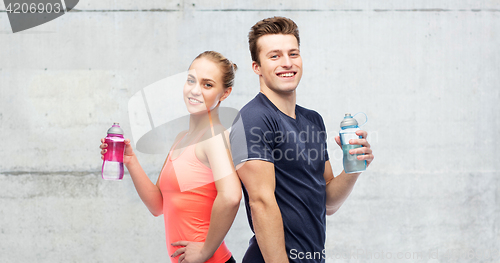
284 72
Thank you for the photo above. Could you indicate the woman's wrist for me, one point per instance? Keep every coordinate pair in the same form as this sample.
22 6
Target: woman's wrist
131 162
206 255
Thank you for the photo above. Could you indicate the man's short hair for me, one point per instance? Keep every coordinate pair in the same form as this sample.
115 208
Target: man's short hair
270 26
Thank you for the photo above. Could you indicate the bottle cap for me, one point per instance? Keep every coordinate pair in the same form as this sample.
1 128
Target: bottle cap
115 129
348 121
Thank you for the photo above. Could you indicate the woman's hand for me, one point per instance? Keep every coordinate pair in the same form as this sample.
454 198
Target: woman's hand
127 155
190 252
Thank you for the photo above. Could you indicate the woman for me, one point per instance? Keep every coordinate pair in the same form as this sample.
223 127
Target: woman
197 190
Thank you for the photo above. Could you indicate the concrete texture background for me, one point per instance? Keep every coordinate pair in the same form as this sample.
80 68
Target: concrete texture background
425 72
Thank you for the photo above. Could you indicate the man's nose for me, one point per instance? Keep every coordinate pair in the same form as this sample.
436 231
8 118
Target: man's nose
286 62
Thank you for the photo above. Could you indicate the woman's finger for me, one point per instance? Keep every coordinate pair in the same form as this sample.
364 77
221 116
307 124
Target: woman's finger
180 243
178 252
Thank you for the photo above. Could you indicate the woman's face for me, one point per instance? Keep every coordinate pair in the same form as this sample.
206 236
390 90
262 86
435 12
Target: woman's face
204 89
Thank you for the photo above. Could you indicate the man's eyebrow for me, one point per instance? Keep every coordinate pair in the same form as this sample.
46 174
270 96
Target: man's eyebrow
279 51
192 76
274 51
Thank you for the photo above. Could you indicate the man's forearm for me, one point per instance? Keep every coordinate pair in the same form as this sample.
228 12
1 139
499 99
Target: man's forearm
338 190
268 227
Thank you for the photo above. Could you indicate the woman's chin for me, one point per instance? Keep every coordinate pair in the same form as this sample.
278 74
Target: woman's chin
197 111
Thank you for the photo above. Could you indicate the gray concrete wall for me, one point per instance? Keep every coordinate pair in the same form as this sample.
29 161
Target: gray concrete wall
425 72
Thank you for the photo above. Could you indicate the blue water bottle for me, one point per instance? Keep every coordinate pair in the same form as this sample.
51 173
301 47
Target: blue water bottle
348 127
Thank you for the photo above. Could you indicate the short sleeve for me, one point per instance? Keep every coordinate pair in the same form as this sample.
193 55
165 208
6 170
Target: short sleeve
252 137
325 137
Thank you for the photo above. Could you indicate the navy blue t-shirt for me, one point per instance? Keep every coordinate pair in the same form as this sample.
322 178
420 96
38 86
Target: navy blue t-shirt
297 147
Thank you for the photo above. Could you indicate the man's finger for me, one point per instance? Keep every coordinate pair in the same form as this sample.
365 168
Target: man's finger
337 140
362 133
363 142
362 150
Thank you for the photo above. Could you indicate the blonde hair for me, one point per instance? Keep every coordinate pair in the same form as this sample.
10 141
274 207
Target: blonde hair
227 67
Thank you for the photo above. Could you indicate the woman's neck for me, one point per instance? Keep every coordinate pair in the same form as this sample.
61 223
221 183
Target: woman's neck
202 120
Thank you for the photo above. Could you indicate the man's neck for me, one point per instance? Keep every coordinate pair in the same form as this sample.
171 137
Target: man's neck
285 102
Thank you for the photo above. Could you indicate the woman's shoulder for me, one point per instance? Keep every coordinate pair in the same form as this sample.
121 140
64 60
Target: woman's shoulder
180 135
215 136
178 138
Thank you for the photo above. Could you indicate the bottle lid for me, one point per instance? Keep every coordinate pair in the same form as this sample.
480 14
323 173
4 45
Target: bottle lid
115 129
348 121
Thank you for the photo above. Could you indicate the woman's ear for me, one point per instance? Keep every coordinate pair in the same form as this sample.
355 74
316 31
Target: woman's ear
226 94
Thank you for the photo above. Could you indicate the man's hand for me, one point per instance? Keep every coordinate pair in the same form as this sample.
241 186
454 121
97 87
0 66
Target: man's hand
191 252
365 149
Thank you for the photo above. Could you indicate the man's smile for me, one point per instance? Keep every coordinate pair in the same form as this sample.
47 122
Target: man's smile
286 74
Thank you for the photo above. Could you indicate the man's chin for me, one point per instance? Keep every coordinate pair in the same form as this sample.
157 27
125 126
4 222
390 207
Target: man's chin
286 89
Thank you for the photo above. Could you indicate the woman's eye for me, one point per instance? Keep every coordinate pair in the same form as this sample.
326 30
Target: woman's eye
191 81
208 85
275 56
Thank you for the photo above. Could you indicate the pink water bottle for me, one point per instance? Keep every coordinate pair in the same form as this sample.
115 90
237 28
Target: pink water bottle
112 166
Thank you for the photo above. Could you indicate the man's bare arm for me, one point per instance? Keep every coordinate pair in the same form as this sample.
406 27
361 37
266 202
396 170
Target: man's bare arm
259 180
337 188
340 187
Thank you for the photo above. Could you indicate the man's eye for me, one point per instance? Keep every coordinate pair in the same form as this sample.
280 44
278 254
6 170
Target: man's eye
208 85
275 56
191 81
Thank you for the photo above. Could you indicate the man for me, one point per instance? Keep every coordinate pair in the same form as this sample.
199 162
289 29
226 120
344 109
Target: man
279 149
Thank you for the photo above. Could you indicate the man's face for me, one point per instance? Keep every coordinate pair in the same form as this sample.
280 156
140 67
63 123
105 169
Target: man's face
280 62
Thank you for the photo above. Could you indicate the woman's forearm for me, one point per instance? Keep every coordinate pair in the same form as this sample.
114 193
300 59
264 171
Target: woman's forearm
149 193
224 211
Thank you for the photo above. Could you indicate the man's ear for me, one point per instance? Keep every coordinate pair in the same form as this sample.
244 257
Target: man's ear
256 68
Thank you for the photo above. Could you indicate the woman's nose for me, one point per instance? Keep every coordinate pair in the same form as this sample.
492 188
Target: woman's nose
196 90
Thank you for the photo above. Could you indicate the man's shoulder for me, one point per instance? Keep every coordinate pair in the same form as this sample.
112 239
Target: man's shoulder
257 107
309 114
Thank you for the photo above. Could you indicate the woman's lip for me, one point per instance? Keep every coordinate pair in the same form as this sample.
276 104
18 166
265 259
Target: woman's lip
196 102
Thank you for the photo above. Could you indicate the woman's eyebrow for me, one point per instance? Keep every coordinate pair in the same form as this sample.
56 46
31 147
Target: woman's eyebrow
209 80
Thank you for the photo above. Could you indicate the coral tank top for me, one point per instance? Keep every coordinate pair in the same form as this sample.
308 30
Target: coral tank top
189 191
